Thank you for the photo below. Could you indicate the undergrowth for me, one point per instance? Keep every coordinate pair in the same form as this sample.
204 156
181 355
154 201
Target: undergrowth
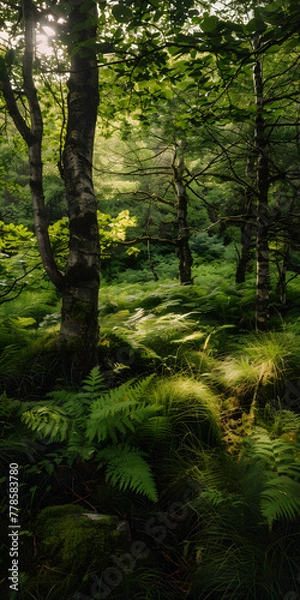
187 407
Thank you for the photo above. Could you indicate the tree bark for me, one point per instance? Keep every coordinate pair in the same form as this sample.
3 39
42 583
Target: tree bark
33 136
79 325
262 221
245 255
79 285
282 271
247 230
183 249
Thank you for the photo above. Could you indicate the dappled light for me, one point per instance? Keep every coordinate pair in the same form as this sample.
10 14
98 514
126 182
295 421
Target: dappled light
149 300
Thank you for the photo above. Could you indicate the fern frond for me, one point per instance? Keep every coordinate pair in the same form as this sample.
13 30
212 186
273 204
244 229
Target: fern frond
127 468
21 322
48 422
278 460
118 411
77 447
137 391
286 421
93 384
106 420
280 499
278 455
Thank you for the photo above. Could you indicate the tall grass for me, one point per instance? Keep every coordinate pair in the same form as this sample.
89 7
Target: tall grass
257 371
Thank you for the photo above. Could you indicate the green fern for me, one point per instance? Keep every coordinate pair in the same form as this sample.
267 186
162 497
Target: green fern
287 422
83 419
93 384
236 554
75 403
119 410
280 499
127 468
278 460
48 422
276 455
15 440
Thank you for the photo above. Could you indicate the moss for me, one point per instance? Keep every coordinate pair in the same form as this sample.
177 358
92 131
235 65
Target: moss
72 540
73 546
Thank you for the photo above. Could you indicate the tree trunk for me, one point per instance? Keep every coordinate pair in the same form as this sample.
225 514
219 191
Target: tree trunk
262 248
33 136
183 249
79 285
262 222
79 327
245 255
247 227
282 271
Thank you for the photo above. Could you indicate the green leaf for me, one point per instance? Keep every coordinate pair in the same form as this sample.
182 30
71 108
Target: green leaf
122 14
48 421
277 4
93 383
256 26
209 23
273 49
291 44
105 48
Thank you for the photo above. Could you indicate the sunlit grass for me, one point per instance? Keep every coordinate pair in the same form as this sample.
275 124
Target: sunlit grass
260 359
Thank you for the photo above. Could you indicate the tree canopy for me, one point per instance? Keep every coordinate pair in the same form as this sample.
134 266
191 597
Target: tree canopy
221 81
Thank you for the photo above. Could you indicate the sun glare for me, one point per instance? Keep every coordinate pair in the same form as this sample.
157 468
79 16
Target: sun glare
44 40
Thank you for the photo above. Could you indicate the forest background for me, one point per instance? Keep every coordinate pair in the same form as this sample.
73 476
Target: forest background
153 415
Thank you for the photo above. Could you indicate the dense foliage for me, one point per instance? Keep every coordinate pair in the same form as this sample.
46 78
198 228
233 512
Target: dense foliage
158 456
188 430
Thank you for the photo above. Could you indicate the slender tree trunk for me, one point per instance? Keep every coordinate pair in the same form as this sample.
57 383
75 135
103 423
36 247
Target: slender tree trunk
183 248
282 271
80 283
263 222
284 264
80 296
247 231
245 253
33 136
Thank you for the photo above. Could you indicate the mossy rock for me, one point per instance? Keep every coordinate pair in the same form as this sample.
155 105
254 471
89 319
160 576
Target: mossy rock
75 539
73 545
